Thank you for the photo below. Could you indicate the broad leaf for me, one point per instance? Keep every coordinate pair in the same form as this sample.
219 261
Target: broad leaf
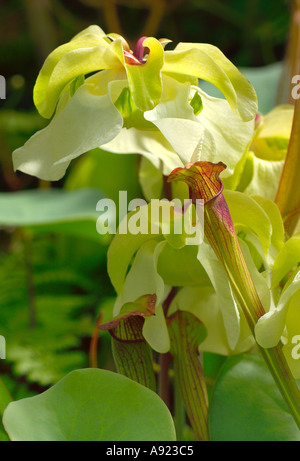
52 211
247 406
91 405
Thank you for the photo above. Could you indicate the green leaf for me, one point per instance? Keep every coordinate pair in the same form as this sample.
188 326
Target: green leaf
91 405
247 406
55 210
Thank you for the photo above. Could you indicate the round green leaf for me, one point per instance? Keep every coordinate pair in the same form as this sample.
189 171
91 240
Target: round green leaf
91 405
247 406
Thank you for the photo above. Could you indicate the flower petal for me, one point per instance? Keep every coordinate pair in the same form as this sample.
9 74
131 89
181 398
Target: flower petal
268 150
141 278
151 144
270 326
87 121
209 63
174 117
231 135
86 54
215 134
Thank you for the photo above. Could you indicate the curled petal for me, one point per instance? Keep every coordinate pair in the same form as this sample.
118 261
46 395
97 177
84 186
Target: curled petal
81 56
145 79
209 63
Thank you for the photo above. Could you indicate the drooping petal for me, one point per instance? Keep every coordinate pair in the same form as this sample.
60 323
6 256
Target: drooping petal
174 117
275 218
90 37
287 258
270 327
151 144
291 348
268 150
215 133
81 56
231 135
227 303
87 121
248 215
207 62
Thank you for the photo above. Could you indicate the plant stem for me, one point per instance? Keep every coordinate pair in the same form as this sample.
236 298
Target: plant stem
179 411
284 379
165 359
164 380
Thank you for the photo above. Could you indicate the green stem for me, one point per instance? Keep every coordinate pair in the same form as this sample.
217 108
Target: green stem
284 379
179 411
164 381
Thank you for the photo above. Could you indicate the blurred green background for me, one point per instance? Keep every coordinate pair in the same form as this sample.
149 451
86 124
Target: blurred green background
53 280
